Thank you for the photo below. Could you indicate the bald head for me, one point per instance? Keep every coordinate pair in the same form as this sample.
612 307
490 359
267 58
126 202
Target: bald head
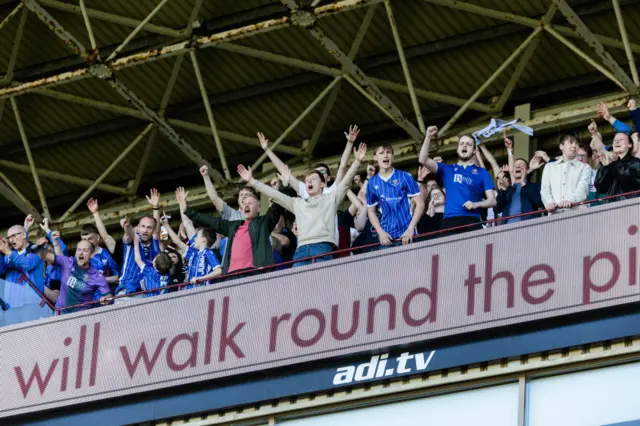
17 237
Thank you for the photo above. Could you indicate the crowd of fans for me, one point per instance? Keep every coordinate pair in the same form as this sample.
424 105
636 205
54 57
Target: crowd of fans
303 223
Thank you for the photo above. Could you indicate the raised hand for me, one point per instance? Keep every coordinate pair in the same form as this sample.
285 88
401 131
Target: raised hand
55 235
181 198
285 176
28 222
593 127
264 142
432 132
41 241
371 171
508 143
204 171
354 131
543 155
423 172
92 205
4 246
136 237
604 159
535 163
154 198
632 105
124 223
245 173
45 226
361 152
603 111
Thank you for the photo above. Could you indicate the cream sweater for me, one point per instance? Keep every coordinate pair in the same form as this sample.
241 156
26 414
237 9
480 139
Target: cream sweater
315 216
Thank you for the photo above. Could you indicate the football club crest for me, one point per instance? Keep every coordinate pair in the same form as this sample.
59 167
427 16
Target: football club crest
394 182
474 171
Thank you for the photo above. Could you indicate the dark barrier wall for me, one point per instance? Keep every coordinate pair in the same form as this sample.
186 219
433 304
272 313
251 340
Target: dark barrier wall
567 263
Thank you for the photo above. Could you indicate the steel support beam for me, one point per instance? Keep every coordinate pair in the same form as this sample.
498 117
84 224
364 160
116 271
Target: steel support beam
212 121
298 120
6 20
323 69
46 18
112 18
32 164
185 46
523 20
132 112
17 41
405 65
136 30
87 24
625 41
17 200
575 49
524 60
596 46
106 173
328 107
491 79
359 77
50 174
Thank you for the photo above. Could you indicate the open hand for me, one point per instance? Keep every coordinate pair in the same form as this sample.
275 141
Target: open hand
245 173
603 111
354 131
423 172
45 226
181 198
154 198
264 142
361 152
92 205
285 177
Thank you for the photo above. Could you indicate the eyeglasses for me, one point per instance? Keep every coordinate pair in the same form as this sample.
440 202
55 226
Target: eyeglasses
583 156
9 237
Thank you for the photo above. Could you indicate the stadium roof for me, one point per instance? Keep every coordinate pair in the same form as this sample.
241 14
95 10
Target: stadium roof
88 77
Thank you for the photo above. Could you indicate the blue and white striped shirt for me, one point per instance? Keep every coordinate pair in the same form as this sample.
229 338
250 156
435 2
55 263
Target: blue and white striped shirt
392 195
130 273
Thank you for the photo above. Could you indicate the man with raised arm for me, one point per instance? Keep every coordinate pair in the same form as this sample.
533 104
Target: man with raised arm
566 180
469 188
149 230
79 279
521 196
226 212
155 274
323 169
315 215
249 240
21 265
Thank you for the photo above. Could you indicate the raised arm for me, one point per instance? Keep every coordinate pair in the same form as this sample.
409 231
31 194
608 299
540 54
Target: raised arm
55 237
136 251
635 113
154 199
491 159
47 231
44 254
359 155
174 237
429 163
277 162
284 200
354 131
508 143
218 202
217 224
619 126
28 223
128 230
109 241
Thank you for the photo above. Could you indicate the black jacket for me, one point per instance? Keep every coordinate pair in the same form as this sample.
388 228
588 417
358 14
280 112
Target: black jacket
619 177
530 200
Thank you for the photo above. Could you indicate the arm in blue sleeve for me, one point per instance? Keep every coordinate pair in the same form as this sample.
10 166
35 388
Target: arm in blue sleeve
3 265
621 127
25 262
61 243
635 116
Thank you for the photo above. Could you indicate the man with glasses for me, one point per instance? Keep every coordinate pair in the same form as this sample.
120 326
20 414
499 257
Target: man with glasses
21 266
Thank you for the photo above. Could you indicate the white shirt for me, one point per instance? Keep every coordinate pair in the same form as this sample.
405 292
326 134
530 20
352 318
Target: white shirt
564 180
